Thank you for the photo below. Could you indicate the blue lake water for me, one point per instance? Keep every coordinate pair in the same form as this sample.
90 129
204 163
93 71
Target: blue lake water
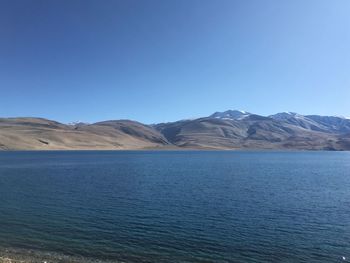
170 206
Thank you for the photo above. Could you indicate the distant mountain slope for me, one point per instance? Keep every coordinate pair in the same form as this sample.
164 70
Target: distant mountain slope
328 124
41 134
333 123
252 132
134 133
222 130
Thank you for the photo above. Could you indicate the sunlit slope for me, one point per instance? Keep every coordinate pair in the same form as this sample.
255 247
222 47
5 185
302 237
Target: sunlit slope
42 134
227 130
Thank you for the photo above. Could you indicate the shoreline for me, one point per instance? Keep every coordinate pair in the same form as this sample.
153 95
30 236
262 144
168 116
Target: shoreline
20 255
178 149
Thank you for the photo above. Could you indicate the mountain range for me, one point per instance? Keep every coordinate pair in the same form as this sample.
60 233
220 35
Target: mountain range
227 130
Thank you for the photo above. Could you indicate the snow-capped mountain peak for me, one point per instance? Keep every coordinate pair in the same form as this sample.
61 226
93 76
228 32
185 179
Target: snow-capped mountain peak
75 123
231 115
286 115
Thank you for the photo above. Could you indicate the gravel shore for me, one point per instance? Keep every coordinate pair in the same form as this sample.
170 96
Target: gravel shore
9 255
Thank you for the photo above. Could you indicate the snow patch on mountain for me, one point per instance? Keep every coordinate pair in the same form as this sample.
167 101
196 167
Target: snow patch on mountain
231 115
75 123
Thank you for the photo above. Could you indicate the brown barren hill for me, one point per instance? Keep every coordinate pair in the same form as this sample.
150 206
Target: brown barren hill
228 130
42 134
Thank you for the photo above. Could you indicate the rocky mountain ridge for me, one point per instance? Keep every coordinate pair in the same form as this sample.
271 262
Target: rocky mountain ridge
230 129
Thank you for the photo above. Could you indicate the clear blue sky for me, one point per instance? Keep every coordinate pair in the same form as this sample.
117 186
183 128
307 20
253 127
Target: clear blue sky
164 60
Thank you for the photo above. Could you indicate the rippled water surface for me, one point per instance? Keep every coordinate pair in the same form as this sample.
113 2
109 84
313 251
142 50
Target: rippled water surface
178 206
